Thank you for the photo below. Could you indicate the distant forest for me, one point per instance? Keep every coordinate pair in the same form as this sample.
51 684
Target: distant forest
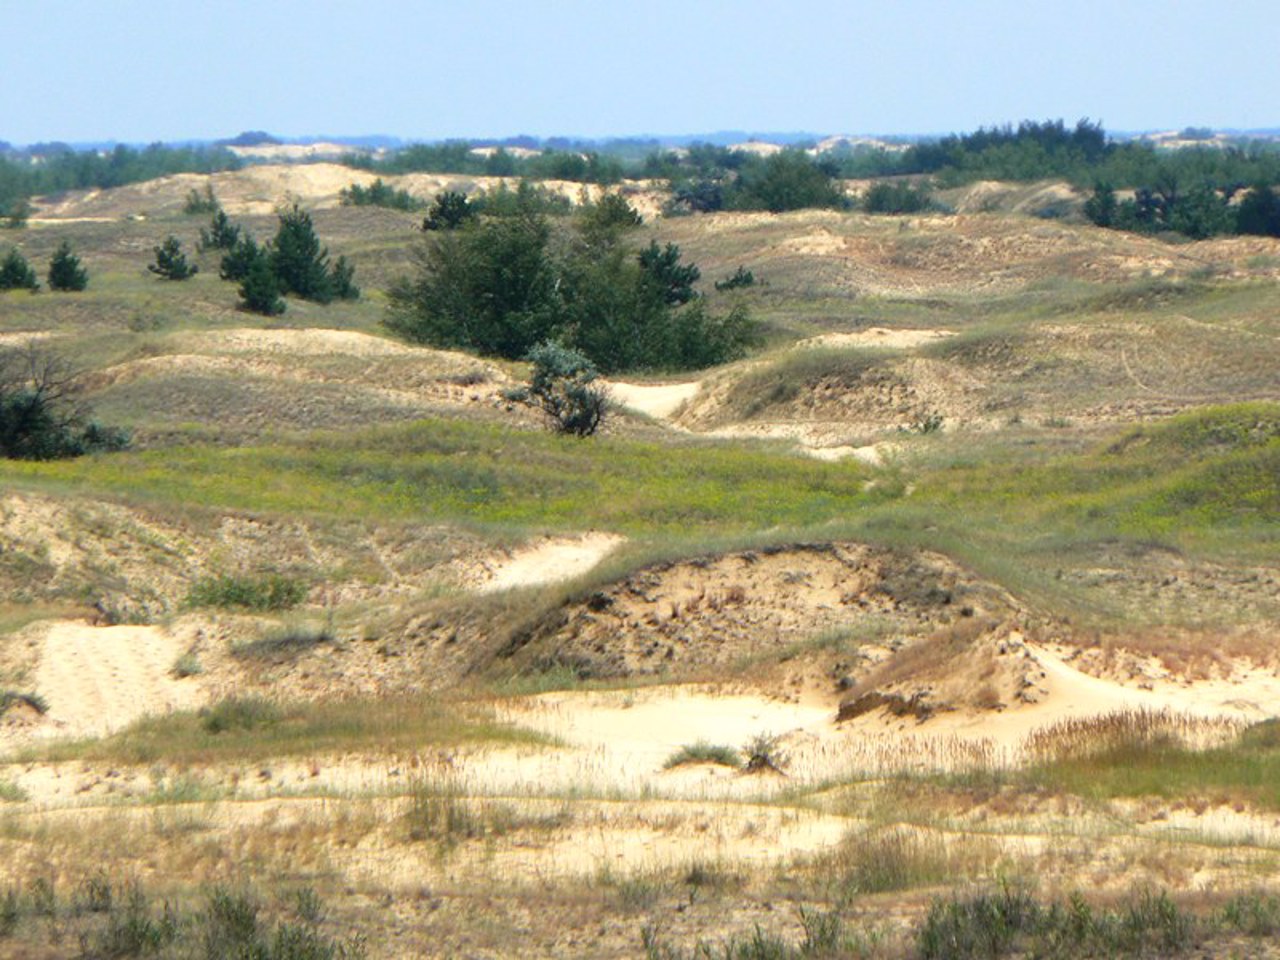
1188 190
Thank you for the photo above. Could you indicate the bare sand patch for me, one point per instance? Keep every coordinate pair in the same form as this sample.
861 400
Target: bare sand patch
659 400
549 561
310 342
876 337
97 680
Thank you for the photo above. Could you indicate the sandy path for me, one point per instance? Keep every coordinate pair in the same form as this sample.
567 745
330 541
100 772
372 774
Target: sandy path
659 400
550 561
100 679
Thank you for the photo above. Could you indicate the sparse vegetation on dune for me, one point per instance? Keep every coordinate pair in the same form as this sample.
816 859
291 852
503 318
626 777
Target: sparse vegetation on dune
822 629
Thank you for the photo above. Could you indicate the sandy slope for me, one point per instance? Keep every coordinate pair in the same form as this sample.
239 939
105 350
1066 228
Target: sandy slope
548 561
99 679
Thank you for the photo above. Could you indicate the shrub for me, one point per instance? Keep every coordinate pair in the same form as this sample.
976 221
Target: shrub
239 713
450 210
221 235
504 284
896 198
41 417
262 593
742 277
65 272
11 698
171 263
704 752
764 752
379 194
16 273
197 202
240 258
562 386
300 263
260 291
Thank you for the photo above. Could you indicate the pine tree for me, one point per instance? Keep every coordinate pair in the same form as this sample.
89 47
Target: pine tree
65 272
221 235
342 280
297 259
260 291
237 261
16 273
170 263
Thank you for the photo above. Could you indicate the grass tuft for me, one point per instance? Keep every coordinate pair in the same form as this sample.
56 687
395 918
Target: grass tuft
704 752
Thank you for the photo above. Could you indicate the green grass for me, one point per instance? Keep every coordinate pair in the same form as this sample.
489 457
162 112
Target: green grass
261 592
477 474
704 752
1246 770
251 729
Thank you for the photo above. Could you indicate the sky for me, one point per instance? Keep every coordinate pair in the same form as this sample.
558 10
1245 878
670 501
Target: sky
141 71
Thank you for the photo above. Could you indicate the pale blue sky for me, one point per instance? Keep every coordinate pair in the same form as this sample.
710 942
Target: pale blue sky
140 70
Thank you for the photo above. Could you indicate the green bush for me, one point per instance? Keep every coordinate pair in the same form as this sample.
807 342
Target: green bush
41 415
221 235
896 198
260 291
502 285
65 271
379 194
450 210
742 277
16 273
197 202
171 263
239 713
563 387
262 592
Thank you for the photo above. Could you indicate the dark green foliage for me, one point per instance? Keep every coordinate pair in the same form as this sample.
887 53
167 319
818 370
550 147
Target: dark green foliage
262 593
197 202
602 223
703 195
112 920
525 200
789 180
672 280
563 387
501 286
450 210
897 197
240 258
65 272
379 194
239 713
1011 923
490 287
16 213
342 280
11 698
171 263
260 291
16 273
221 235
300 263
1259 212
742 277
40 416
1100 208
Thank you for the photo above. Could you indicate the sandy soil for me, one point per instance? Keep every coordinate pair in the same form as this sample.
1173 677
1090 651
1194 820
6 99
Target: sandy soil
97 680
877 337
549 561
658 400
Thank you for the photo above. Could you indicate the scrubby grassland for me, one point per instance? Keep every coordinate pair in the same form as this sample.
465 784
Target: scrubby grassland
1001 492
